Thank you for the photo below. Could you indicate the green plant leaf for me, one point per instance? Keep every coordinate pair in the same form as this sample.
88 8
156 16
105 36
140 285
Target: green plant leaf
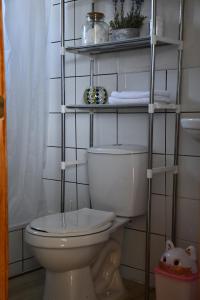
133 19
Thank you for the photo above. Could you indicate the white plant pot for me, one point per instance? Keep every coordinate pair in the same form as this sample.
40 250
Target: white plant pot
125 33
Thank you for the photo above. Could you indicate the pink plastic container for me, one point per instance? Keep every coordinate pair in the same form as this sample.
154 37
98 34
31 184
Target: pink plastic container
174 287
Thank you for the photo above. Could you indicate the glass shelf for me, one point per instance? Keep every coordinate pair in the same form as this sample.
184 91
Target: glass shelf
130 44
96 107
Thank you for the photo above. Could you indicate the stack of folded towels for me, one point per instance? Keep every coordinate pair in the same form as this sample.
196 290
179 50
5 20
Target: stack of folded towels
138 97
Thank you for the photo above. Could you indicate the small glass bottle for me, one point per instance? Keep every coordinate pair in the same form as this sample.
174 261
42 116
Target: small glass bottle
95 30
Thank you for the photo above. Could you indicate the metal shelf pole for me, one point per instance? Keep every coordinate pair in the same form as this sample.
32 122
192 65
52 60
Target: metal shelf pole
62 32
91 128
91 112
177 124
150 151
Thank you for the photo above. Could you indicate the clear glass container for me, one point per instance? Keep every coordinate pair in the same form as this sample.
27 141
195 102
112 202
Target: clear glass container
95 30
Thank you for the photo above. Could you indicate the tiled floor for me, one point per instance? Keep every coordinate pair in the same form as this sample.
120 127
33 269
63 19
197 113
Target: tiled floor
136 291
27 287
30 287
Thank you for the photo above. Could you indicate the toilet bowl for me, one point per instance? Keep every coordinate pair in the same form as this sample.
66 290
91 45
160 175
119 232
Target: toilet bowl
75 249
81 250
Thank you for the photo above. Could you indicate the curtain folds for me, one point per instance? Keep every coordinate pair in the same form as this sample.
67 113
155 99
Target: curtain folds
26 36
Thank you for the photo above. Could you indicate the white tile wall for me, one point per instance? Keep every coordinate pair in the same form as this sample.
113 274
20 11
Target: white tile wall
52 195
188 219
82 65
69 22
188 145
134 249
15 269
170 133
27 253
125 70
15 246
189 178
82 175
161 220
82 83
192 31
135 275
20 257
54 130
105 131
133 128
83 125
71 196
140 81
83 196
30 264
190 91
55 94
52 167
107 63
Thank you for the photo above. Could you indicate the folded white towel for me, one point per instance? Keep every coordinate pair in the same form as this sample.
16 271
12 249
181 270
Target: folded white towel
157 99
138 94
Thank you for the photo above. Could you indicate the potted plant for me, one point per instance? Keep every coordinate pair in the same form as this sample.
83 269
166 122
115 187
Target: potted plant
127 26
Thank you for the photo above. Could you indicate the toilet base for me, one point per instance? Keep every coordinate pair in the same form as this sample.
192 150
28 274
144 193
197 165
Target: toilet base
73 285
116 290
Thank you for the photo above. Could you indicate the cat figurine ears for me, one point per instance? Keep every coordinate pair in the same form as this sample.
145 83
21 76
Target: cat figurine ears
190 251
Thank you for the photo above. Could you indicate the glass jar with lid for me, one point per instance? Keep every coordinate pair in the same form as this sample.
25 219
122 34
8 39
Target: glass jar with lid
95 30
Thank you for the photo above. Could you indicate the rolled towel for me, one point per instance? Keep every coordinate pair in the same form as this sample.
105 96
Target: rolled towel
158 99
139 94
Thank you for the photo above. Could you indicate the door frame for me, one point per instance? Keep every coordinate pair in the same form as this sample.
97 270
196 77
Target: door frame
3 175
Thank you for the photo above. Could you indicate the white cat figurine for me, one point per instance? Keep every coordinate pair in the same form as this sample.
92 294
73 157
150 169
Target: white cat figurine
178 260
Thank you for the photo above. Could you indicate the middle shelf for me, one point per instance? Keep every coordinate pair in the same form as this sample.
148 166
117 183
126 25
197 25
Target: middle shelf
145 107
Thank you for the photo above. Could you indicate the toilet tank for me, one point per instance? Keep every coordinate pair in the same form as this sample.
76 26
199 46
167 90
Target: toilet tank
118 180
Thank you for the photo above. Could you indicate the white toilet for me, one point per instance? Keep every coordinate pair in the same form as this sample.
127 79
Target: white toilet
81 250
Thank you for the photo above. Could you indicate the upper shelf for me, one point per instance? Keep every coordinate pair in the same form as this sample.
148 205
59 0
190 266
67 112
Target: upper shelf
129 44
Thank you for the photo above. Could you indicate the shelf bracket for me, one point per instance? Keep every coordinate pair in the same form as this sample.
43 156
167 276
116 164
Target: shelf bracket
154 171
151 108
62 51
178 109
68 164
154 39
181 46
63 109
163 106
91 112
149 174
63 167
169 41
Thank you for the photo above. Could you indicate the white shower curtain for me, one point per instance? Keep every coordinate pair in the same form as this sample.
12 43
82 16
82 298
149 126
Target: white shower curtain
26 36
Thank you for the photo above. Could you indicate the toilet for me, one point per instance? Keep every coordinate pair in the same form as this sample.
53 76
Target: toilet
81 250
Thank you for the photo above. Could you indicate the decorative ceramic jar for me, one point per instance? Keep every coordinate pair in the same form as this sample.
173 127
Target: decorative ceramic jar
95 30
95 95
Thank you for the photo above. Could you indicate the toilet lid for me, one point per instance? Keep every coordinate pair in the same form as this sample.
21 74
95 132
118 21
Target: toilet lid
75 223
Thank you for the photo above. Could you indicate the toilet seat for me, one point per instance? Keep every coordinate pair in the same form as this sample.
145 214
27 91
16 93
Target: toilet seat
73 224
101 223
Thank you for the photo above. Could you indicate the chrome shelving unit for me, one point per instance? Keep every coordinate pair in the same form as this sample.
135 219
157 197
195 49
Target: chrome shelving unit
142 42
